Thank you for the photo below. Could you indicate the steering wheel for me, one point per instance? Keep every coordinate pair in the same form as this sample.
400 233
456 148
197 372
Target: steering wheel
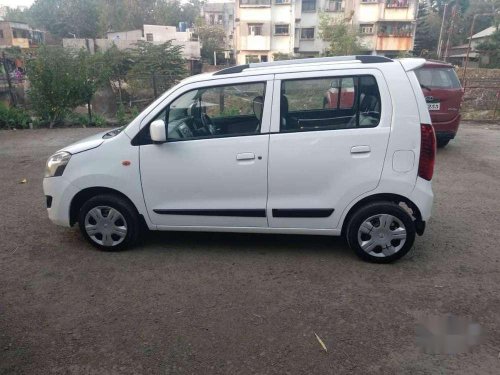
208 124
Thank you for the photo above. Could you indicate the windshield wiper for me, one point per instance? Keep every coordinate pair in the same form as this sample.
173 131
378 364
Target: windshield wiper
425 87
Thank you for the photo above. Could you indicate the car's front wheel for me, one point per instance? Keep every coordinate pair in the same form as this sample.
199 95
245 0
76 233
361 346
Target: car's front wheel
109 222
381 232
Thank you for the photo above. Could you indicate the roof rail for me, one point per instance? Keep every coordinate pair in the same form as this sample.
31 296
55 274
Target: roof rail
365 59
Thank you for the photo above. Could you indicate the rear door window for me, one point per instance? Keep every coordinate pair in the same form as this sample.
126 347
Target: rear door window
329 103
443 78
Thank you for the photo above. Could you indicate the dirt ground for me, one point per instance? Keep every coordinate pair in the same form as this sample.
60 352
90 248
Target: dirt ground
184 303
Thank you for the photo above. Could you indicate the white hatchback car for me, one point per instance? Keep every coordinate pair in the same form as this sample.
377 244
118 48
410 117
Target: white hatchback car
253 148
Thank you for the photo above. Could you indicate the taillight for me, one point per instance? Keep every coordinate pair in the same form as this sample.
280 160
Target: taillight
427 152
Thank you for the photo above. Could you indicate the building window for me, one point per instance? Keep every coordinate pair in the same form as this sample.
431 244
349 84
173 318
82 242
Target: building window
334 6
212 19
396 4
250 3
366 28
332 103
1 34
219 19
395 29
249 59
308 5
149 37
281 29
281 2
307 33
254 29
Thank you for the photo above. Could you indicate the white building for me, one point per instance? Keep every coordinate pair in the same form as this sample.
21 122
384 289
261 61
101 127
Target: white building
267 27
156 34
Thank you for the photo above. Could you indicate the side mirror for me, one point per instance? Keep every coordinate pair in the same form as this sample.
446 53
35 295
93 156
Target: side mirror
158 132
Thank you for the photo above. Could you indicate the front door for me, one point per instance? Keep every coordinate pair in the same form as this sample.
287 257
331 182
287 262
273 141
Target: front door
212 171
324 153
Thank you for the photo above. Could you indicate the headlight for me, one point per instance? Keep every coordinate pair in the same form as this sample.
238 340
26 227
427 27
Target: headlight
56 164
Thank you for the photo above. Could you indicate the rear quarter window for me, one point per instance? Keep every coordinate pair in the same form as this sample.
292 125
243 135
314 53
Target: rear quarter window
444 78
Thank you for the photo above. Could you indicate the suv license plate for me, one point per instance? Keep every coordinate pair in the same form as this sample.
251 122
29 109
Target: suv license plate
434 106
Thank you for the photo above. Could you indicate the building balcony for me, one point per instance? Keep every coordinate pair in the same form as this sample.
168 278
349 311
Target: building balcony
255 43
387 42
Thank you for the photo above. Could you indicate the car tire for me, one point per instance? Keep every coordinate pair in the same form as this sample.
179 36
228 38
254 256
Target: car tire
381 232
441 143
115 233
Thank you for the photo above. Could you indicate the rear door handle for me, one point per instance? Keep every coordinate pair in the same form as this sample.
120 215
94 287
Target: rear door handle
245 156
360 149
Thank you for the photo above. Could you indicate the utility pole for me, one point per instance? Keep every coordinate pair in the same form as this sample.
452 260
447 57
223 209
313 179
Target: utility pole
13 101
440 41
450 31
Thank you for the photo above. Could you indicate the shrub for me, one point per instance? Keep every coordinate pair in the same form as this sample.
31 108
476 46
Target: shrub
75 118
123 116
11 117
99 121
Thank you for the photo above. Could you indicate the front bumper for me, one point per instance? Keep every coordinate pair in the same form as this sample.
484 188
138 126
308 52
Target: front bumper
61 192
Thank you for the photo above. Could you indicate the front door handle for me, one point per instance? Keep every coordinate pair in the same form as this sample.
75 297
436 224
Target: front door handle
360 149
245 156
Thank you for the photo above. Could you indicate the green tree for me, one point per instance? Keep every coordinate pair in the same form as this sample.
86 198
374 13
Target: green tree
90 74
341 36
212 39
61 80
52 84
66 18
18 15
427 30
119 63
162 60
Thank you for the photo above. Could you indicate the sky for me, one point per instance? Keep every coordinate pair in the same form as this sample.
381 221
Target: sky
16 3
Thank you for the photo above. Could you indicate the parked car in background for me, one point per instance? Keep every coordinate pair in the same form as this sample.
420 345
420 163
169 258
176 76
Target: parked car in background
443 94
253 148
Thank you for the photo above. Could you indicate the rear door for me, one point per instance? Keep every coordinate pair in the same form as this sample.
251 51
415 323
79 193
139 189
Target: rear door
442 90
320 159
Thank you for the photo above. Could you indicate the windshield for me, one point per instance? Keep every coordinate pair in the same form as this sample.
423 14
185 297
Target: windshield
443 78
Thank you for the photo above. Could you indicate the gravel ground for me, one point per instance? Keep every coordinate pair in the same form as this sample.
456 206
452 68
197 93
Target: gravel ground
187 303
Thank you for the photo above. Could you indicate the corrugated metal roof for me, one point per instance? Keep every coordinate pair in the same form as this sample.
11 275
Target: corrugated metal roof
484 33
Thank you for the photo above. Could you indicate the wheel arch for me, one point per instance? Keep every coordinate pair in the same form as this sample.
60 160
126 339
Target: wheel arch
84 195
387 197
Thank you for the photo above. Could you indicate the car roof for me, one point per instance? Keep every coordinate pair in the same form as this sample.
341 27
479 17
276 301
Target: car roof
297 65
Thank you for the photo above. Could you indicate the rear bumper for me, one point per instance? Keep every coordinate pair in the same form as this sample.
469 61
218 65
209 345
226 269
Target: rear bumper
423 197
447 129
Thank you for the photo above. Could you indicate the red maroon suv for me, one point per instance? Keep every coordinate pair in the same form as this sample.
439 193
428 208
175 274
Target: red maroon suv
443 94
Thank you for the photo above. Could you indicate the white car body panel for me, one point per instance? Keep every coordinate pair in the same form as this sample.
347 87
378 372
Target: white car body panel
301 170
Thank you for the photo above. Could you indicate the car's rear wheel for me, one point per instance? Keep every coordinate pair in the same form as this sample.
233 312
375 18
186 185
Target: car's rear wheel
109 222
442 142
381 232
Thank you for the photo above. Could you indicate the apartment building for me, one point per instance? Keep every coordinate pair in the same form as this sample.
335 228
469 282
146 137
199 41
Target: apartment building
266 28
221 13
